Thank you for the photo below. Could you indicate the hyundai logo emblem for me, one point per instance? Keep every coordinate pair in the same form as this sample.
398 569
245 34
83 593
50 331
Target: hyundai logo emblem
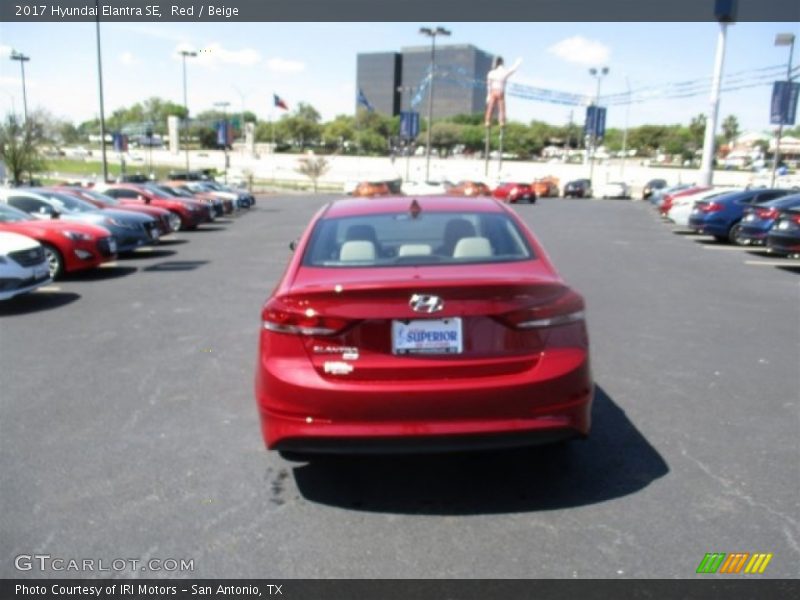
426 304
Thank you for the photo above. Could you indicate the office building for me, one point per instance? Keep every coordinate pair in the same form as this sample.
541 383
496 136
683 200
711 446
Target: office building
460 85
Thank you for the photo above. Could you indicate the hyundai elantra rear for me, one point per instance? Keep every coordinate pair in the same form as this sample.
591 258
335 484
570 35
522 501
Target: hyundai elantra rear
415 325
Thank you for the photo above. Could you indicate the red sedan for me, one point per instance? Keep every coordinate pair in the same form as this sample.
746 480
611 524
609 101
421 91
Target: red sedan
190 213
514 193
68 245
167 221
435 323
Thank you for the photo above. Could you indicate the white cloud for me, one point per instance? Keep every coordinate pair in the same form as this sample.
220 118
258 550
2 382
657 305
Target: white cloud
128 59
214 55
578 49
283 65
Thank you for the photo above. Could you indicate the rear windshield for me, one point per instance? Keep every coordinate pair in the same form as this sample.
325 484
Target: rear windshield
429 239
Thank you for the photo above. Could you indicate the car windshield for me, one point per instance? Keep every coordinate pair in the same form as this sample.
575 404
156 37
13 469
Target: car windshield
400 239
68 203
9 214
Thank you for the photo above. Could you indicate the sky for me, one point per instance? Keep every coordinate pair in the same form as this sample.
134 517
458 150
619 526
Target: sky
245 63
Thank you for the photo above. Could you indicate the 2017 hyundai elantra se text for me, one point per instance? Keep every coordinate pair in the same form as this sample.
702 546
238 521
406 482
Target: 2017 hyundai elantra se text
435 323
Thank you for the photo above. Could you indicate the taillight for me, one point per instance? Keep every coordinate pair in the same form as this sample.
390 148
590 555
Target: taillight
710 207
767 213
566 308
283 318
796 219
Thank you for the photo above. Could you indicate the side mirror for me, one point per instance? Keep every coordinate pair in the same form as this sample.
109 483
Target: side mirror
293 245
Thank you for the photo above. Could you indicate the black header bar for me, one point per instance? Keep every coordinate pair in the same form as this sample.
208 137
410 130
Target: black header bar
392 10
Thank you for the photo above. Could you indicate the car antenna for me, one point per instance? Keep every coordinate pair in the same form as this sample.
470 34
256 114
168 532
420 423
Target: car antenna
414 209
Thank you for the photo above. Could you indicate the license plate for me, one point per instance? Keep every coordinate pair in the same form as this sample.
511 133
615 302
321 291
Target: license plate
112 246
427 336
154 233
750 218
782 225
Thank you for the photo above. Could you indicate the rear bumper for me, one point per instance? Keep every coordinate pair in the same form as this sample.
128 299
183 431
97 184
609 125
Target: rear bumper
783 244
302 411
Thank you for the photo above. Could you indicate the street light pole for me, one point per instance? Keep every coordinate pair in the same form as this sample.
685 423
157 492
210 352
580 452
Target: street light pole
184 54
597 74
22 60
102 109
782 39
432 33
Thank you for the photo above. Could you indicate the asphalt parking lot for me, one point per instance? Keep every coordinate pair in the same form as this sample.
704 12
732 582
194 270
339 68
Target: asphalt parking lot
129 428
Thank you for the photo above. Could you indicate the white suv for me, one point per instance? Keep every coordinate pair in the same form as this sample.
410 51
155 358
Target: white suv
23 266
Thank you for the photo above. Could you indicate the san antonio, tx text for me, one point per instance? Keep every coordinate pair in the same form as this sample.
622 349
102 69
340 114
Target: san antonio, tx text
148 590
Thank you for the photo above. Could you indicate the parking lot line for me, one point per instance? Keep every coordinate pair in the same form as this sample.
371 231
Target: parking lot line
50 288
774 263
724 247
109 265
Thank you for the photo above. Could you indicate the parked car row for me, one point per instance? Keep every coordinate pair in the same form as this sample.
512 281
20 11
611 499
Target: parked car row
767 217
46 232
510 191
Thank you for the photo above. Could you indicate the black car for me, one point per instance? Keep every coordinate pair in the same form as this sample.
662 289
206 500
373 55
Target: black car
578 188
651 186
784 237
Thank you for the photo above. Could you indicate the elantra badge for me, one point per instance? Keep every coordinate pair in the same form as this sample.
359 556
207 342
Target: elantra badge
426 304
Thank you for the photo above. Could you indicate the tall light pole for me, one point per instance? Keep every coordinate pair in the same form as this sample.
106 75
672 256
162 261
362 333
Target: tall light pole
431 33
598 74
102 109
707 167
184 54
782 39
22 60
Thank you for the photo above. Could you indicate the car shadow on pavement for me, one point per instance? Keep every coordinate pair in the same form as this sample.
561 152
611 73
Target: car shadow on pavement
615 461
144 254
36 302
176 265
100 273
790 268
172 242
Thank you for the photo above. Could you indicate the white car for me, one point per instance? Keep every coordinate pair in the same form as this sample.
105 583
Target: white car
682 205
615 189
23 265
423 188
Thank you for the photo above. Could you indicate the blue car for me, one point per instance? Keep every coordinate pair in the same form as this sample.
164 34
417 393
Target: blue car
759 220
721 216
784 237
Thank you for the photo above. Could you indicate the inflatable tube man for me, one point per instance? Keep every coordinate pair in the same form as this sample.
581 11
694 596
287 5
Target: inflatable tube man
496 90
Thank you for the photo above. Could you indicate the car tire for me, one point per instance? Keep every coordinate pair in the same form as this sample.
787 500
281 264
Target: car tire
733 233
55 261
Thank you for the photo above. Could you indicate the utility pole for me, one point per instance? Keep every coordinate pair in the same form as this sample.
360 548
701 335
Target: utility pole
597 74
22 60
102 105
782 39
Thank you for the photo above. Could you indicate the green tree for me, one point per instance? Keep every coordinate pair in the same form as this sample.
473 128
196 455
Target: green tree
335 133
730 129
21 147
444 136
697 127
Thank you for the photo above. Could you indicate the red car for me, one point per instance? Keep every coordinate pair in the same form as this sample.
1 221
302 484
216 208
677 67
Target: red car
435 323
666 205
68 245
190 213
166 221
514 192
